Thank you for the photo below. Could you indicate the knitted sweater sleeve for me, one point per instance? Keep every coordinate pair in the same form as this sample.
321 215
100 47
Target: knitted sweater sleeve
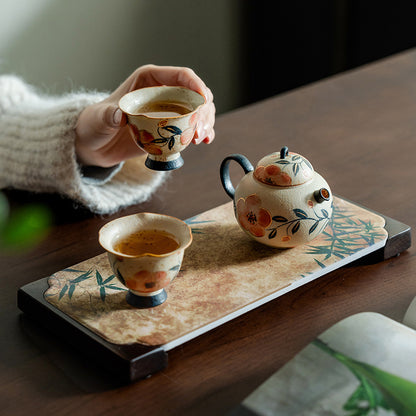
37 152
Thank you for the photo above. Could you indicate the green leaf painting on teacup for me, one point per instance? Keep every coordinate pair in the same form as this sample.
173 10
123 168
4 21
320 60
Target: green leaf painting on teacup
168 135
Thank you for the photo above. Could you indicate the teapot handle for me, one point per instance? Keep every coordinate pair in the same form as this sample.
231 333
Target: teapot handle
225 171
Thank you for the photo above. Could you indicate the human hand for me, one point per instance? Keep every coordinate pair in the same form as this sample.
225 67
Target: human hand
102 135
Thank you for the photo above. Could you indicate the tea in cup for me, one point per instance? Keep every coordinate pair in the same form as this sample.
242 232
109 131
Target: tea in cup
145 251
163 121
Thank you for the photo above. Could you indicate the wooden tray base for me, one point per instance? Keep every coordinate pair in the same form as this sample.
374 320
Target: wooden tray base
133 361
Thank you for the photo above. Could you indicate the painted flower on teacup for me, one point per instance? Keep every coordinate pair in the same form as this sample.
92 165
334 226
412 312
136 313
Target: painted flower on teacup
146 282
167 135
144 139
188 134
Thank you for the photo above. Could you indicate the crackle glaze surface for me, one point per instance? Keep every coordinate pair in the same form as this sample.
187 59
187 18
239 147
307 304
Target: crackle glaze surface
293 170
222 272
283 218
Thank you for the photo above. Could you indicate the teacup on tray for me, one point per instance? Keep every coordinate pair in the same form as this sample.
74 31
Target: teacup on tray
163 121
145 251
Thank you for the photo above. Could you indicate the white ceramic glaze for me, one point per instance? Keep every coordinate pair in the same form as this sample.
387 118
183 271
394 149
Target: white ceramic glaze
283 202
145 275
163 138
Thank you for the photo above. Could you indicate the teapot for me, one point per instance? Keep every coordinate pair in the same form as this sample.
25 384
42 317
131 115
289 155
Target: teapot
283 202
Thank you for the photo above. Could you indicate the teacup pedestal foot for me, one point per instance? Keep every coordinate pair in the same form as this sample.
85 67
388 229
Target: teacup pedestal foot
147 301
171 164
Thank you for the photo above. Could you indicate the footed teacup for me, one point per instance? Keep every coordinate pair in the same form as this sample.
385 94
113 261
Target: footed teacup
145 251
163 121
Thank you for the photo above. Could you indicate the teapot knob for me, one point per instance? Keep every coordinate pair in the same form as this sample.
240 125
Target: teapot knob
322 195
284 152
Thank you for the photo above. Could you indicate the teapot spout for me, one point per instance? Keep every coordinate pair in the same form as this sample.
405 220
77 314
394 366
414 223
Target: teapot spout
322 195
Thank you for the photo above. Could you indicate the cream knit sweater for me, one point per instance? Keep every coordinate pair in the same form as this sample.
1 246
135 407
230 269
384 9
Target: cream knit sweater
37 151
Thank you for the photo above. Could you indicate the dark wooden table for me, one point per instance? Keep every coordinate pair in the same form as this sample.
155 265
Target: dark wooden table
359 131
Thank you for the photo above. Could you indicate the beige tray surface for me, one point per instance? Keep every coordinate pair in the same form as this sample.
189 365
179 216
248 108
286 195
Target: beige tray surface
223 272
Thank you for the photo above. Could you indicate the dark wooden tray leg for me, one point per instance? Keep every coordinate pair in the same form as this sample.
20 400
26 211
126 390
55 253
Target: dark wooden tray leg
399 239
128 362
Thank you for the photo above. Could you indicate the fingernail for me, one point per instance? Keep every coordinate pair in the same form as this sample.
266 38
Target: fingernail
117 117
198 131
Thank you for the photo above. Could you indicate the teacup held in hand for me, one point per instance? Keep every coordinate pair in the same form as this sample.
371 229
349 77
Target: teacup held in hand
163 121
145 252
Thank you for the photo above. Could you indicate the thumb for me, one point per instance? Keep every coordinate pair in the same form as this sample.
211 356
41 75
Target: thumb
113 117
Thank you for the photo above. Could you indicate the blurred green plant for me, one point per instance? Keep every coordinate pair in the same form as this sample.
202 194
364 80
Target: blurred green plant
24 227
377 389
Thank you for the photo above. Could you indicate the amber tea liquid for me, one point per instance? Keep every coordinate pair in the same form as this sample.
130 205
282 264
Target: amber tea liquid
147 241
162 109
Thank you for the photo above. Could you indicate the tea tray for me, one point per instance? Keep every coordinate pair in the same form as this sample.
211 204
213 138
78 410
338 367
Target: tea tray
224 275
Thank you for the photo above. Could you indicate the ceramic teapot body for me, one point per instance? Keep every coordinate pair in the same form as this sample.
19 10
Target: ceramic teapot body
283 202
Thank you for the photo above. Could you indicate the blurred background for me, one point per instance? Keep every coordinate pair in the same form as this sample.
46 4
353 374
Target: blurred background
245 50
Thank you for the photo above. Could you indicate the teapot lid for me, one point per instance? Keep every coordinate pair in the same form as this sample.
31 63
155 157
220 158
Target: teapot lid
283 168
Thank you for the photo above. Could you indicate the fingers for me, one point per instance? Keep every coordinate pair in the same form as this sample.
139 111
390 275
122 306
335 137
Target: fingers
205 130
206 135
153 75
